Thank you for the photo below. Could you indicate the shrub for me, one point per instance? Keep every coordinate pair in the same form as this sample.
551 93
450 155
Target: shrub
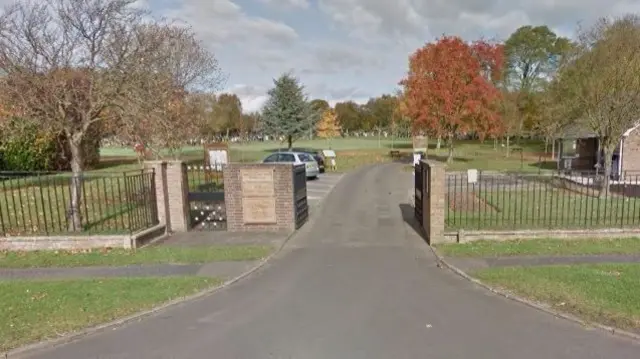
25 147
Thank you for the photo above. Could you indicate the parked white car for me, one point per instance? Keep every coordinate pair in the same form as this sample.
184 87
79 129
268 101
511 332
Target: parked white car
311 166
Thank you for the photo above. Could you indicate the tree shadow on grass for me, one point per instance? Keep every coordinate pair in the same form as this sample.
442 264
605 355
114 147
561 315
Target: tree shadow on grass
112 162
407 146
408 215
399 146
293 149
443 159
545 165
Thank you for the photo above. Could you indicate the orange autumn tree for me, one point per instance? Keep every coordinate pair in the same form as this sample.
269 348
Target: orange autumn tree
450 89
328 126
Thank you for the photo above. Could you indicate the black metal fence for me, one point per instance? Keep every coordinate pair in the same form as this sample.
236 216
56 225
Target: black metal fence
511 201
207 209
301 205
45 203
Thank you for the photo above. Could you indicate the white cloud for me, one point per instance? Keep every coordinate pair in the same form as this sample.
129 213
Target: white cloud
251 97
354 49
221 22
287 4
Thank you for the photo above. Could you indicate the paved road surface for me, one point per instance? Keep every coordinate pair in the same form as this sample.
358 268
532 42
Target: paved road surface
357 284
319 188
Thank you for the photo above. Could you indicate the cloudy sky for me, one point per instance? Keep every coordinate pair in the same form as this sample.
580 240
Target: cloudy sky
354 49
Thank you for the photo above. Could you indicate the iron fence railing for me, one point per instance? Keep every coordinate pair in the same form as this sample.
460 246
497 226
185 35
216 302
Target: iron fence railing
46 203
300 203
567 200
201 178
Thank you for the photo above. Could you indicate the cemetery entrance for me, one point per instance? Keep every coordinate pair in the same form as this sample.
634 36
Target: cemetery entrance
205 180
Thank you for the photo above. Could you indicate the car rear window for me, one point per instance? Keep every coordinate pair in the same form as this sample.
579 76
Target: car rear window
305 157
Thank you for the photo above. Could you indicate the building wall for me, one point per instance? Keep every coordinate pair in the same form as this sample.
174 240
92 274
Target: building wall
631 154
586 150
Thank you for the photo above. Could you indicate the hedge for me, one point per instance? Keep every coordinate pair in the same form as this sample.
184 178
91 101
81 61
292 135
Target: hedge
25 147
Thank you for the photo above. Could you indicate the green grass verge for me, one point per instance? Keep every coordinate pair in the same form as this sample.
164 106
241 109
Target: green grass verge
32 311
120 257
541 247
603 293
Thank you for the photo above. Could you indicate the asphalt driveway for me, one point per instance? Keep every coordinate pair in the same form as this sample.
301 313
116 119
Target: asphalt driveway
354 283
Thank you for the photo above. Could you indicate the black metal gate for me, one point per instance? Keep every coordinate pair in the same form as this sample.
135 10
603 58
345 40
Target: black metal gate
207 211
300 203
419 192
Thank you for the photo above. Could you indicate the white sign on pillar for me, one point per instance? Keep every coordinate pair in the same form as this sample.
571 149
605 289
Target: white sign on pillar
472 176
416 159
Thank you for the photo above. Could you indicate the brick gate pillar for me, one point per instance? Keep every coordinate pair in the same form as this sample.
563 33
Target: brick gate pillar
160 172
434 203
177 196
259 197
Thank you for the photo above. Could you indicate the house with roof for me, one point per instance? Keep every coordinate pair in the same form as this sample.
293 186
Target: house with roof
579 150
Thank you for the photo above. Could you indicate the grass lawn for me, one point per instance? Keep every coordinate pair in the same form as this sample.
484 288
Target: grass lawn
537 207
32 311
604 293
541 247
120 257
484 156
351 152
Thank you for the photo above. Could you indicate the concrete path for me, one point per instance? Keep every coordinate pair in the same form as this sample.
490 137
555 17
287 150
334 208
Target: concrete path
357 283
470 264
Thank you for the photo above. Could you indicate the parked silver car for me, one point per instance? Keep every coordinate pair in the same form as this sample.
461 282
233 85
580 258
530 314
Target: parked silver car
311 166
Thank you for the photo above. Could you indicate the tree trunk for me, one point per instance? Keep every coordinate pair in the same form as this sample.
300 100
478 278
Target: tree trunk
495 144
450 156
604 190
553 149
546 145
439 143
74 218
508 146
290 142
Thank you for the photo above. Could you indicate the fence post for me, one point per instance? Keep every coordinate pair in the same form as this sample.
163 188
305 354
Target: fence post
160 180
434 204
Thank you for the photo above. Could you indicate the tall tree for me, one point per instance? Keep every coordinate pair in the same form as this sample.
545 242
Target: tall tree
349 116
287 110
73 65
380 110
250 122
161 110
599 86
319 105
328 126
318 108
228 113
533 54
450 88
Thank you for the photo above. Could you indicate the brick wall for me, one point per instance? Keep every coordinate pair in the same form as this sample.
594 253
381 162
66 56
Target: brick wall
282 198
